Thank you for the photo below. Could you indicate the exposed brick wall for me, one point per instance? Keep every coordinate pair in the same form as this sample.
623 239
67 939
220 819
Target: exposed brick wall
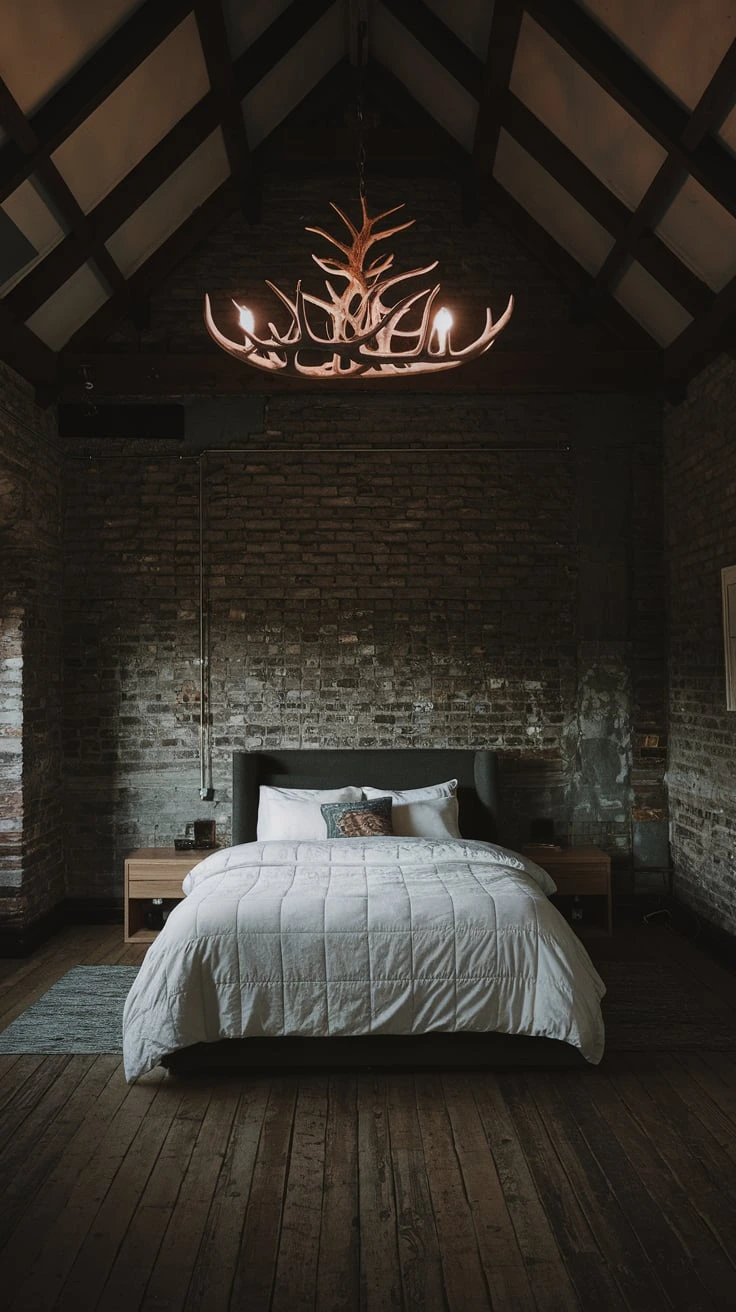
700 486
384 596
507 599
31 849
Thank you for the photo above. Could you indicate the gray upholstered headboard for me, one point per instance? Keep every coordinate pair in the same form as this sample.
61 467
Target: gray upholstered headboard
382 767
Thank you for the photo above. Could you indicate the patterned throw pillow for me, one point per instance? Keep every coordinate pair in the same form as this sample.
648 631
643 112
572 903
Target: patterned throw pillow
358 819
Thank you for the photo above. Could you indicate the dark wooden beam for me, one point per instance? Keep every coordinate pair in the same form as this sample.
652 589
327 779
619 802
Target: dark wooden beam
702 337
441 42
158 266
502 43
113 210
85 90
25 352
605 207
279 37
713 106
213 38
143 374
62 199
130 193
632 87
567 270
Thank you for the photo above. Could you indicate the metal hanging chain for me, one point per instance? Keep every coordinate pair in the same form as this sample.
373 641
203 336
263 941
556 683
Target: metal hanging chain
361 153
362 26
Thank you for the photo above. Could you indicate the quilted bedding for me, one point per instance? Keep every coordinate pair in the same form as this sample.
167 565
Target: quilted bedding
362 936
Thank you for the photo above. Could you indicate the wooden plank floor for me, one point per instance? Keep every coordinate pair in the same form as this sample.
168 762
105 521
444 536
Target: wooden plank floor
549 1191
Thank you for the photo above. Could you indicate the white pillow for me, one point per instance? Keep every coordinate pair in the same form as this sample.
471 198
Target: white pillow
294 813
430 812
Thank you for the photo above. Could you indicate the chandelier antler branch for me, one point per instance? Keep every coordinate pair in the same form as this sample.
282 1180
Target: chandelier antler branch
363 334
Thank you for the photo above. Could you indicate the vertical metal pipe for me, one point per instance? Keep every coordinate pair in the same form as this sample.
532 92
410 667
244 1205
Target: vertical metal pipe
203 785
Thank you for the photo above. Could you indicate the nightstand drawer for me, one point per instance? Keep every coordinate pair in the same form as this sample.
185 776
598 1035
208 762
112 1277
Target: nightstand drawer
580 881
579 873
155 870
154 873
155 888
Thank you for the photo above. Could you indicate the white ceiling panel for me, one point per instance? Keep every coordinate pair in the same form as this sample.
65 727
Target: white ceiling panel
702 233
648 302
29 212
294 76
135 117
246 22
583 115
43 44
680 41
187 188
426 80
471 21
69 307
553 207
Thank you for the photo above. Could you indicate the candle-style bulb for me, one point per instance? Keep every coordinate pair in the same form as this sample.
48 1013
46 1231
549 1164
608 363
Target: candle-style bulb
442 325
247 321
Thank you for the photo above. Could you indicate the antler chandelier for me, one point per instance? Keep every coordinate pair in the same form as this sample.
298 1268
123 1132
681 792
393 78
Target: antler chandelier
360 334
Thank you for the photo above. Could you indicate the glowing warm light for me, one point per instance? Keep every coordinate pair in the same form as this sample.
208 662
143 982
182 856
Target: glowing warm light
358 333
442 325
246 319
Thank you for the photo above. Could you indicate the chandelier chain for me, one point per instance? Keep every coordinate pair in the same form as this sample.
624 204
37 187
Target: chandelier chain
360 103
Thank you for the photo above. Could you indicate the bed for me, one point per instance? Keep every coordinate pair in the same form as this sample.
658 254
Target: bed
379 948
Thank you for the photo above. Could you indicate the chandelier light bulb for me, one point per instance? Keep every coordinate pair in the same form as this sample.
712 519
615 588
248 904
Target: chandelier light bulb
361 330
246 319
442 325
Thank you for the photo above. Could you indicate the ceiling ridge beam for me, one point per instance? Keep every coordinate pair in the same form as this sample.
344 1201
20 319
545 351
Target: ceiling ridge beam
603 205
213 38
86 89
632 87
155 167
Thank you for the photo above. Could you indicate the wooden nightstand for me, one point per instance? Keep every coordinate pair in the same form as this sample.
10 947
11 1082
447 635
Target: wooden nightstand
578 872
153 872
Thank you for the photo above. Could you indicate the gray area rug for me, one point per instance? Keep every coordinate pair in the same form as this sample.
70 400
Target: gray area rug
81 1013
647 1008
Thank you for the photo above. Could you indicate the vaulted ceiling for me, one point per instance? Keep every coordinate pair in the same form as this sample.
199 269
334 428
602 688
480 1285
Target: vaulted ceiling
604 131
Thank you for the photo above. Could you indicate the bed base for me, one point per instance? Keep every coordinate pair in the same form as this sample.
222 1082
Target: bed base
387 1052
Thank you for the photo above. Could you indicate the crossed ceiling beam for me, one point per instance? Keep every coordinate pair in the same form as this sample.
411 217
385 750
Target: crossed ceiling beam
86 89
687 137
213 39
663 117
166 156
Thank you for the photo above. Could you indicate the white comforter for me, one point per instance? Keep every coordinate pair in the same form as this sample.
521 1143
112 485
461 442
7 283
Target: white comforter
362 936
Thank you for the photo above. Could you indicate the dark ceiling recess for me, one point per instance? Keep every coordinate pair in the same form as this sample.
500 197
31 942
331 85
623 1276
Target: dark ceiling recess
126 421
